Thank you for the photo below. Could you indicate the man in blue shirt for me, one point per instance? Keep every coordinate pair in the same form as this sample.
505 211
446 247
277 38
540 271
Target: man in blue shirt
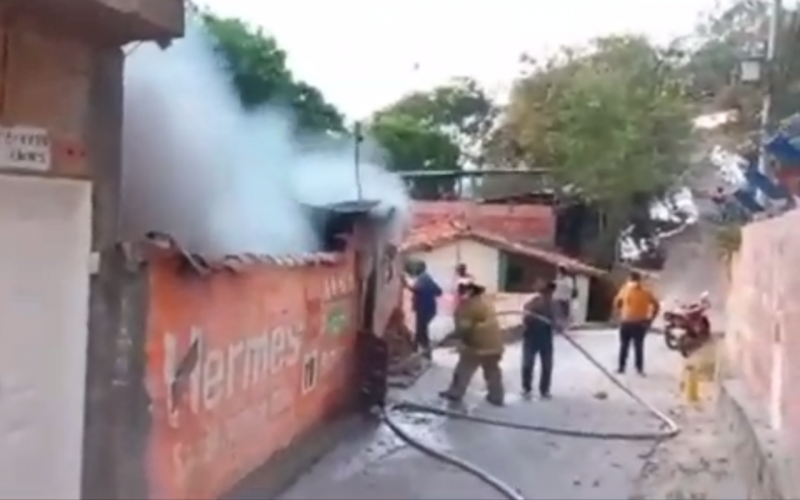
424 295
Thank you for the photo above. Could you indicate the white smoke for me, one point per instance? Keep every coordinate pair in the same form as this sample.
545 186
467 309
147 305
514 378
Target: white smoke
216 178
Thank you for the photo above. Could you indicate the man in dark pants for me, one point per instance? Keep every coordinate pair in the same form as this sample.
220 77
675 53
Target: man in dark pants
424 294
539 323
637 307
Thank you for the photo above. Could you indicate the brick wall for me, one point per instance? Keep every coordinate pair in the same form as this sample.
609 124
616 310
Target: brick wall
513 221
763 314
238 367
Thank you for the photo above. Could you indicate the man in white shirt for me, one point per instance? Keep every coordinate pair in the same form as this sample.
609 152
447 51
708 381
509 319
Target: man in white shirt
565 291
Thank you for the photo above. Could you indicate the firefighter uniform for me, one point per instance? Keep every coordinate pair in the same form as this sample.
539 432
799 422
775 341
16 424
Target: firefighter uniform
481 347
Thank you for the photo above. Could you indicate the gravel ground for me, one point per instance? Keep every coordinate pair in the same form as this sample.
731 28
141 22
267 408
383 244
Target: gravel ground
695 465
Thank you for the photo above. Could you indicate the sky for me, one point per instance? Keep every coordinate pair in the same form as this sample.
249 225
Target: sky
365 54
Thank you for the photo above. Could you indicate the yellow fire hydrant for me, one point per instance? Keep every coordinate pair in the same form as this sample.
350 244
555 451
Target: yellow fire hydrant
691 384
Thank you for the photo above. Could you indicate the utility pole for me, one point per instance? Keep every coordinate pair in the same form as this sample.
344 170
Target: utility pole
357 139
773 52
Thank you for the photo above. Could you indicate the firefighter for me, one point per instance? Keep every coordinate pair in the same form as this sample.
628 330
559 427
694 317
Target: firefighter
481 345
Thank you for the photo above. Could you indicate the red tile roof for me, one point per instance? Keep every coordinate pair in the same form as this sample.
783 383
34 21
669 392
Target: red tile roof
158 243
517 222
434 235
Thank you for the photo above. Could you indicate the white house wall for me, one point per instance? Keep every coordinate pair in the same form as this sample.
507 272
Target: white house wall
481 260
580 305
44 295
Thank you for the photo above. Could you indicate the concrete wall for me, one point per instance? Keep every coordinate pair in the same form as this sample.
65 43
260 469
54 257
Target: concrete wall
63 87
763 314
762 338
156 19
112 22
61 103
44 294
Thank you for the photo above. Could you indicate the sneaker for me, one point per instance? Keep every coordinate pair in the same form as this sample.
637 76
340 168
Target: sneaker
526 393
620 371
546 395
641 373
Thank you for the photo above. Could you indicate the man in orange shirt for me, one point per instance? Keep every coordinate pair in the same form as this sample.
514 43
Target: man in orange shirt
637 307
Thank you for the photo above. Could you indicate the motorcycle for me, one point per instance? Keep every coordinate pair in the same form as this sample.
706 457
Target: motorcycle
688 328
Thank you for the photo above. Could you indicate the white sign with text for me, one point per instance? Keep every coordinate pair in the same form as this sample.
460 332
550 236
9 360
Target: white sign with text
25 148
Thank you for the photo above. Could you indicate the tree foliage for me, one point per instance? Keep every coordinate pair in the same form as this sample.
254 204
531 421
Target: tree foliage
612 123
437 130
738 31
412 145
460 109
260 74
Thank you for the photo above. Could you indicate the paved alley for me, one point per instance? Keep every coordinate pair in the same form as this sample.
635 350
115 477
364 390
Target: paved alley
539 465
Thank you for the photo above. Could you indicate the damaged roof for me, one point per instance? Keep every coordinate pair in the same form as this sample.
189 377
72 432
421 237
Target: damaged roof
236 263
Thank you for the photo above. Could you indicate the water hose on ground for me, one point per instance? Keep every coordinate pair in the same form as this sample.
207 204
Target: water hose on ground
670 427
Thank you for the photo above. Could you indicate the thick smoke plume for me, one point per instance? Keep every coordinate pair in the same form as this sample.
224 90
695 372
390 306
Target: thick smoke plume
218 179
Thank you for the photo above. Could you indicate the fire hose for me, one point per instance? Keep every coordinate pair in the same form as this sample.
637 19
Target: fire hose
669 428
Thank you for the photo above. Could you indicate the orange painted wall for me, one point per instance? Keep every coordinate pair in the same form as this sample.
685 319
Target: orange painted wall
273 357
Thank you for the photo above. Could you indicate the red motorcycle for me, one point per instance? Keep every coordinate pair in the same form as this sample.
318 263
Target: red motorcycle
688 328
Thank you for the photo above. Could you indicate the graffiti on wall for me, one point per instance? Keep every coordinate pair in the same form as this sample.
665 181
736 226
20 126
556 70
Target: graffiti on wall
239 366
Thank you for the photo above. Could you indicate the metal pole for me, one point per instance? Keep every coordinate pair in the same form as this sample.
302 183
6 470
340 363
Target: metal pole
357 157
767 109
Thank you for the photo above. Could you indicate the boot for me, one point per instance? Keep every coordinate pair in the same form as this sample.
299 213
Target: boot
496 400
449 396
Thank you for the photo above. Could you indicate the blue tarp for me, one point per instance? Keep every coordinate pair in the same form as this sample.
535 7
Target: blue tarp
784 145
769 187
785 149
747 201
751 191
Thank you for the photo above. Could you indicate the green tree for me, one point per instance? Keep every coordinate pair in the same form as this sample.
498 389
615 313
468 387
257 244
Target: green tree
460 109
438 130
411 145
611 123
260 75
737 31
